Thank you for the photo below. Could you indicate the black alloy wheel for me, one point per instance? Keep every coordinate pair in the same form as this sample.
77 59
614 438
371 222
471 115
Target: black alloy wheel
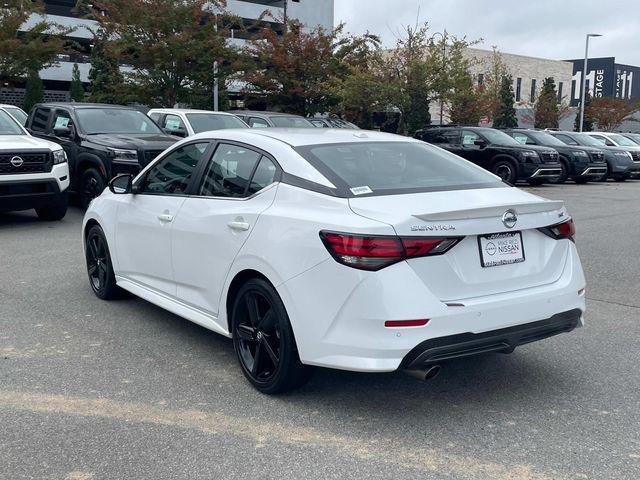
91 186
99 267
263 339
506 171
564 174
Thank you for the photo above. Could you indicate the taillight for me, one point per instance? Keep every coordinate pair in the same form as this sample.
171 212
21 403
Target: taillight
566 229
368 252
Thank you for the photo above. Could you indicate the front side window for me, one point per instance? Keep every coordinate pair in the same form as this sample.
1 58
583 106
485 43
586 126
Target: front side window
173 122
229 171
9 125
523 139
62 119
565 139
204 122
171 175
497 137
394 167
255 122
469 137
114 121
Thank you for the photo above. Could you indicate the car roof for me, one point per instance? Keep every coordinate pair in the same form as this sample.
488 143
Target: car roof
268 114
188 110
8 105
79 105
297 137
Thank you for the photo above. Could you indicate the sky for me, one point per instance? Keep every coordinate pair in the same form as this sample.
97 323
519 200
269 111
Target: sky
552 29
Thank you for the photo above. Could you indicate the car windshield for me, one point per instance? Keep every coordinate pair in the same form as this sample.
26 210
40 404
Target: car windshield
498 137
545 138
94 121
8 125
18 114
291 122
395 167
203 122
620 140
584 139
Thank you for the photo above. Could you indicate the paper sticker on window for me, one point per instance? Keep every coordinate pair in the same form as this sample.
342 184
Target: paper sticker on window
62 122
361 190
172 123
469 139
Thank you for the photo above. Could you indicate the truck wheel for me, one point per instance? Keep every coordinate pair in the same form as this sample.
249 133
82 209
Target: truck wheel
505 170
91 185
564 174
54 212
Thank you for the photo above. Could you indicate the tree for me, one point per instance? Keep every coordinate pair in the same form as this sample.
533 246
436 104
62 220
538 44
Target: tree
588 121
506 113
23 53
546 112
466 103
34 92
295 71
76 90
172 52
609 113
106 82
496 70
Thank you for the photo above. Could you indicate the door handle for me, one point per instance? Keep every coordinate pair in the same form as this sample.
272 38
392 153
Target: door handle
241 226
165 218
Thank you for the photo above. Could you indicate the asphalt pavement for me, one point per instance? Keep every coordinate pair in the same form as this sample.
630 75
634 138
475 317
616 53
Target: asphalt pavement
124 390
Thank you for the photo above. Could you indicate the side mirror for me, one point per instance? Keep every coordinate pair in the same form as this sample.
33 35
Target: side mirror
121 184
178 132
480 143
63 132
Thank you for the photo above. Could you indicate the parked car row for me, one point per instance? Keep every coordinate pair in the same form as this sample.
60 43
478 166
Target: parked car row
540 156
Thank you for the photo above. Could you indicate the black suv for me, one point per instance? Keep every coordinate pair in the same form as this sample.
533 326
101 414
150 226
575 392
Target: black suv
497 152
101 141
577 162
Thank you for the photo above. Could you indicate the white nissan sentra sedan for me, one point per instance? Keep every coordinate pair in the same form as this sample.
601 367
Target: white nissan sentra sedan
345 249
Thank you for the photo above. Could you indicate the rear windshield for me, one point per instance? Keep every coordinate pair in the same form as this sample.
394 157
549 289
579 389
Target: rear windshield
8 125
394 168
203 122
291 122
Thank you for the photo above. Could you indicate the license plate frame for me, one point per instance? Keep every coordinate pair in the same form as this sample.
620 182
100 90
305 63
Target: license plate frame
492 242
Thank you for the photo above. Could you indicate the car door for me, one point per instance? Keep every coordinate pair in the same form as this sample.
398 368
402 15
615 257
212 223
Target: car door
145 218
469 150
62 119
237 185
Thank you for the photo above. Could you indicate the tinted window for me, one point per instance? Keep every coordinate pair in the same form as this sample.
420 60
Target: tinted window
171 175
263 177
395 166
469 137
62 119
523 139
441 136
255 122
40 119
115 120
291 122
229 171
203 122
9 125
545 138
566 139
497 137
154 116
18 114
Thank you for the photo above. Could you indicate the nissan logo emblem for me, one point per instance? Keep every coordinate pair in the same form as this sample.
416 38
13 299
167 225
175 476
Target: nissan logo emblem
510 218
16 161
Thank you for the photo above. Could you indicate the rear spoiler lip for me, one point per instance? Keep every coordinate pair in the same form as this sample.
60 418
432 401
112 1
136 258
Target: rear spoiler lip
494 211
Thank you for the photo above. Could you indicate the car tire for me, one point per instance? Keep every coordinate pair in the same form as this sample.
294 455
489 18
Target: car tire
55 212
619 178
92 184
534 182
263 339
99 267
581 180
564 174
506 170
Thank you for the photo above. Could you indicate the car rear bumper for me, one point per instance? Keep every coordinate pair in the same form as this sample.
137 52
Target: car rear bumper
341 323
504 340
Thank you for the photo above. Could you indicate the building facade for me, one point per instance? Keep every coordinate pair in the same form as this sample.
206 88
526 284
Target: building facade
606 78
57 78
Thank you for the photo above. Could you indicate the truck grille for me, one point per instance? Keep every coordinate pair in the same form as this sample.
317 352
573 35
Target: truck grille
550 157
636 155
25 162
597 156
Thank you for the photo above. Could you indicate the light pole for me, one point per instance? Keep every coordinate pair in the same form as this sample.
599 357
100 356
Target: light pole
216 87
443 36
584 77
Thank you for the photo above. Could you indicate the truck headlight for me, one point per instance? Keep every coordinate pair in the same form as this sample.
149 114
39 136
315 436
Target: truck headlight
579 153
623 154
122 155
529 154
59 156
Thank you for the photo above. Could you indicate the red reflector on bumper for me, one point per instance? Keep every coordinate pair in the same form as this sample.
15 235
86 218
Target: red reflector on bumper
405 323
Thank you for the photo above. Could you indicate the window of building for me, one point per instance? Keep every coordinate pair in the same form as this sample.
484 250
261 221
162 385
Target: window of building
533 90
518 89
560 85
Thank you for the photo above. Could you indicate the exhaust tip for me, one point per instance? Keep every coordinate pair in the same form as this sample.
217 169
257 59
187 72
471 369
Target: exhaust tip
425 374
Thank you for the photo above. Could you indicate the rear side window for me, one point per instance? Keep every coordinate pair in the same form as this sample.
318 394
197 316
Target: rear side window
264 176
40 119
394 167
229 171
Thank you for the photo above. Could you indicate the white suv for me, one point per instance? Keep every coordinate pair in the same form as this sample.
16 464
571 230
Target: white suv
186 122
33 172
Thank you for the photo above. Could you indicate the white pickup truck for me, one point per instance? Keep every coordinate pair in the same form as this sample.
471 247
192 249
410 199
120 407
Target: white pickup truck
34 173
